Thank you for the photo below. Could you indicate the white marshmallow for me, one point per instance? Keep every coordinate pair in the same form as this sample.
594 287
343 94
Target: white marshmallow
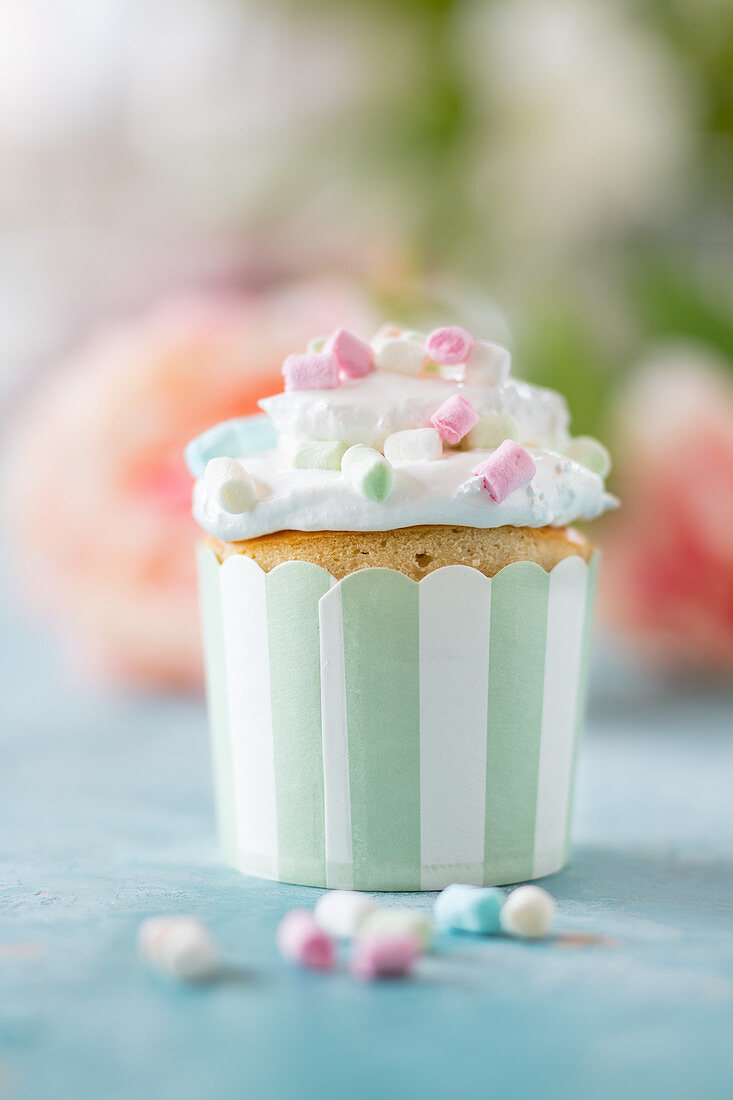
388 331
179 946
230 485
528 912
401 356
341 913
413 445
488 363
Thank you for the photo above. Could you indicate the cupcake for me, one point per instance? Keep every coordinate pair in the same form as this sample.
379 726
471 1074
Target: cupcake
396 614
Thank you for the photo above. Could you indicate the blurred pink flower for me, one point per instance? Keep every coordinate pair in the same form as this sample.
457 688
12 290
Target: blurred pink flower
99 497
669 552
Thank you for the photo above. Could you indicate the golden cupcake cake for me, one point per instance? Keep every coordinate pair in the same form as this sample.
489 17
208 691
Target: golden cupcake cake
396 615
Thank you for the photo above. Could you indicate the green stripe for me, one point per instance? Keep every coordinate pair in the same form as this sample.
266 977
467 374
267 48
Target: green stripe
590 594
519 596
218 703
381 653
293 592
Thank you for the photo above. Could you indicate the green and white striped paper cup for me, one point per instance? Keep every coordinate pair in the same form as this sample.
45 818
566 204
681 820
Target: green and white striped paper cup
381 733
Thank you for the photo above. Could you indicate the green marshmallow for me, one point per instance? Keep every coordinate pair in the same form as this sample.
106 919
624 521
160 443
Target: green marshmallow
398 922
317 344
318 454
491 431
589 453
368 472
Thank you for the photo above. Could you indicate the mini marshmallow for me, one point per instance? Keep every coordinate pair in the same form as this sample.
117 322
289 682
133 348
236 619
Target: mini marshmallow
368 472
469 909
245 435
341 913
300 940
591 453
401 356
228 483
413 445
388 331
318 454
389 957
181 947
312 371
488 364
454 419
386 923
507 469
316 344
528 912
449 345
490 431
354 358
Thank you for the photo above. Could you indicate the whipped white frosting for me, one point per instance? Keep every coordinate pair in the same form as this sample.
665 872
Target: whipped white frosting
368 410
442 491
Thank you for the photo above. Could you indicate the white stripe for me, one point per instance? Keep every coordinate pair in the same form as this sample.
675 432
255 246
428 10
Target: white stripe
455 610
565 618
337 794
244 607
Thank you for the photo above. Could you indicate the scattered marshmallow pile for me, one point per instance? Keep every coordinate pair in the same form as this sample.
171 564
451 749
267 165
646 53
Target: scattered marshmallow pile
388 942
385 942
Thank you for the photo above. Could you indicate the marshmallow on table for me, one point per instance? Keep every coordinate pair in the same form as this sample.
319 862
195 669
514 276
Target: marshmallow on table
244 435
469 909
454 419
354 358
388 957
528 912
488 364
507 469
368 472
318 454
388 923
590 453
229 484
491 430
449 345
179 946
341 913
312 371
400 355
413 445
300 940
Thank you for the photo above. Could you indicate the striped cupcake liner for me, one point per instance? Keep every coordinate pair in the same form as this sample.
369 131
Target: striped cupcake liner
379 733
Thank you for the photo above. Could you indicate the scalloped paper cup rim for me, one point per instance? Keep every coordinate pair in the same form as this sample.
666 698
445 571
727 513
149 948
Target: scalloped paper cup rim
381 733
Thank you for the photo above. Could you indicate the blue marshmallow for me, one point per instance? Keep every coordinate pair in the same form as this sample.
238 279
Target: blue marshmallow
245 435
461 908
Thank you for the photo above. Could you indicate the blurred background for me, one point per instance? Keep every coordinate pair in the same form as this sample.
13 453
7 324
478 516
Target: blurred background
192 188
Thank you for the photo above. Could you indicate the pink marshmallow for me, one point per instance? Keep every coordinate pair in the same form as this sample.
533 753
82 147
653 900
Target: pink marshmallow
312 371
300 940
454 419
507 469
354 358
449 345
383 957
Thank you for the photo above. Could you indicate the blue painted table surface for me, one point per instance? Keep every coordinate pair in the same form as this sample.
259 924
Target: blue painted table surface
106 818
